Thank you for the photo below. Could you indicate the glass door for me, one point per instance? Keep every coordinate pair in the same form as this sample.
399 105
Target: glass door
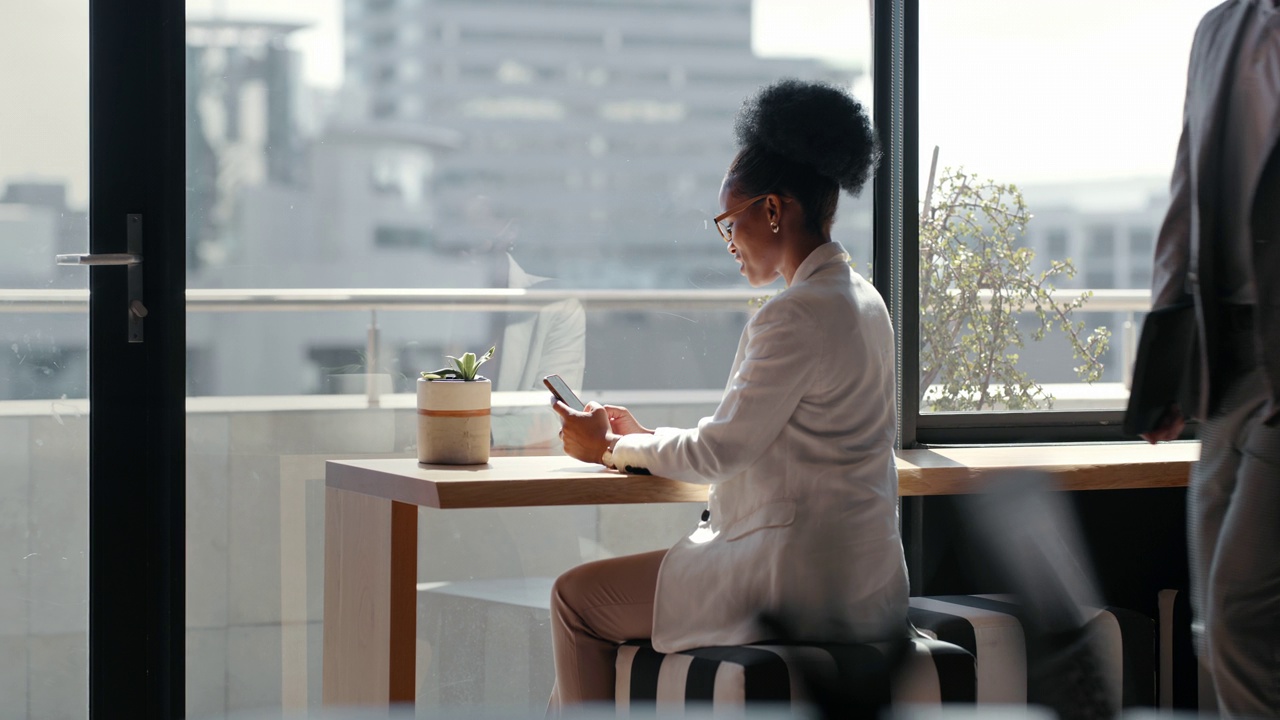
44 371
91 429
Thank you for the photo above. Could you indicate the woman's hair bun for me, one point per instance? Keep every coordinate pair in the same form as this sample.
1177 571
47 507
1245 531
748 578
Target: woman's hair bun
813 124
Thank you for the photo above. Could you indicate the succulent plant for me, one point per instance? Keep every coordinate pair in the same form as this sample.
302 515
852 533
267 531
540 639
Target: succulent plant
464 368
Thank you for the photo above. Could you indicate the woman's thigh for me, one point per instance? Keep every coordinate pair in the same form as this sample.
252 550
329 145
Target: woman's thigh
612 599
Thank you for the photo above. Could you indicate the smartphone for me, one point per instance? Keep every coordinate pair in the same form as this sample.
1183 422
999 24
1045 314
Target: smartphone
560 389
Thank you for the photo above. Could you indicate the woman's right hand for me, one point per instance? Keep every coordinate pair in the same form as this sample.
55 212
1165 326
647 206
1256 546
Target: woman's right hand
622 422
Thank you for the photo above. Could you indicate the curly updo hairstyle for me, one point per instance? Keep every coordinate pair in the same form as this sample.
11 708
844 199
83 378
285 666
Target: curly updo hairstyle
805 140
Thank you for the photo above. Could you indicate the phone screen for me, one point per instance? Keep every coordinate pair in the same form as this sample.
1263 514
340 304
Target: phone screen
560 389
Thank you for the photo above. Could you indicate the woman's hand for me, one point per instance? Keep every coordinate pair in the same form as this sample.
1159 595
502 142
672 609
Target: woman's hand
622 422
586 435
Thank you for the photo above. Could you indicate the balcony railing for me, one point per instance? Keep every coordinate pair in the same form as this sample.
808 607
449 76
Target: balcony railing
373 300
476 300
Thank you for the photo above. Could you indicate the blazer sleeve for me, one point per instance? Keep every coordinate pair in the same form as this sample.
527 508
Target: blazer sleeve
782 352
1173 244
564 349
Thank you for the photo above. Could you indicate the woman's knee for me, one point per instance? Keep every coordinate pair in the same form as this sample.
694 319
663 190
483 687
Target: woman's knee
568 588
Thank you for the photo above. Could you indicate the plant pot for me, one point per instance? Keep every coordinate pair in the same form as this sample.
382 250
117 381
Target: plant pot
453 421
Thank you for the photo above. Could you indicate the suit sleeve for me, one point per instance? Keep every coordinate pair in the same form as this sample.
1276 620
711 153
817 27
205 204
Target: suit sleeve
1173 244
783 348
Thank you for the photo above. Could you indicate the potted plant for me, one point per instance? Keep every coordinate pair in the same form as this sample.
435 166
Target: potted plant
453 412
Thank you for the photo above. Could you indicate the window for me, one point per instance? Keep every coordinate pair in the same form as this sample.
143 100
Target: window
403 237
563 147
1100 257
1056 244
1141 252
1141 243
1012 135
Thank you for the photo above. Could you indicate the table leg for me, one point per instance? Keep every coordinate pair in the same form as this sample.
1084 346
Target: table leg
370 587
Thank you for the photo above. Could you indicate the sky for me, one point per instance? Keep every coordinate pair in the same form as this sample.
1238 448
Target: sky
1027 91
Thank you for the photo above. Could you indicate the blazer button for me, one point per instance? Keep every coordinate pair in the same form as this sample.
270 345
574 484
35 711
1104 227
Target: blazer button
706 515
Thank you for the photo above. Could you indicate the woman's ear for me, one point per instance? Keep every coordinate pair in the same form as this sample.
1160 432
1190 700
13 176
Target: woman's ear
773 209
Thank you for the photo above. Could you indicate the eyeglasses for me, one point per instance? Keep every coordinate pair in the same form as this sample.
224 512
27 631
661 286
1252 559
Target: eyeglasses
726 230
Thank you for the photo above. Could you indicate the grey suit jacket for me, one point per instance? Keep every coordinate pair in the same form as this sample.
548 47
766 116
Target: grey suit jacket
1188 240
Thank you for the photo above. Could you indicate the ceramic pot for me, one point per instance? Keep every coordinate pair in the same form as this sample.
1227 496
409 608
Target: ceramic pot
453 421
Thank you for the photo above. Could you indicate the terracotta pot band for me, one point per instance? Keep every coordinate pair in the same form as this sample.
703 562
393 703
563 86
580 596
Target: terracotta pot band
454 413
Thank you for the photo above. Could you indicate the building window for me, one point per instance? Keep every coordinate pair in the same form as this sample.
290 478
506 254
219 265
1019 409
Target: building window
1141 244
1055 244
392 237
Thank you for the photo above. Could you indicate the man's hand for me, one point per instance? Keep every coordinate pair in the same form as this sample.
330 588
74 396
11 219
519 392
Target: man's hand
1169 427
586 435
622 422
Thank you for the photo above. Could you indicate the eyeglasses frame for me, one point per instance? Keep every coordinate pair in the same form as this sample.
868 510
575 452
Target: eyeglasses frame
728 236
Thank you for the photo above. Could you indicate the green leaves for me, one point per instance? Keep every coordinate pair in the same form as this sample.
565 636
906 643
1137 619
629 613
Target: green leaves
464 368
980 298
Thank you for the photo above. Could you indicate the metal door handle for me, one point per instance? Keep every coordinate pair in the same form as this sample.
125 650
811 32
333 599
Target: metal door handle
136 311
100 259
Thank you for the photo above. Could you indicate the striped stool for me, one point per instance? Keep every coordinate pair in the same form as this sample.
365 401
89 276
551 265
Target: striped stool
988 627
933 671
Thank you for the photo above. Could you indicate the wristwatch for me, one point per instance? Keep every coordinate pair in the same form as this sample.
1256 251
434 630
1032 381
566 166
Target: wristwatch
607 459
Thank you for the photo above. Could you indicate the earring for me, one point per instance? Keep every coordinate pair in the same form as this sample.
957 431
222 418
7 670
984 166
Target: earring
774 226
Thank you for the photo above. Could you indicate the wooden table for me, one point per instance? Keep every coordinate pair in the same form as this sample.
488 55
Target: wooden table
371 528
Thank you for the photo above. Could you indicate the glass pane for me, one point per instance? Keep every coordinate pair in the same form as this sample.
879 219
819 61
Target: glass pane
44 476
1054 131
452 150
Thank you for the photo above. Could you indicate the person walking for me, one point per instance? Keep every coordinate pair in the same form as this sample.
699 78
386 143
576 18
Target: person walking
1219 249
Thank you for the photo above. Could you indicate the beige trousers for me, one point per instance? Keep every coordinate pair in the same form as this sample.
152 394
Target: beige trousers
594 607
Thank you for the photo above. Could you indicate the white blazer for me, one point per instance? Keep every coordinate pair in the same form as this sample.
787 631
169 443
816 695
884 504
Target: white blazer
799 455
534 345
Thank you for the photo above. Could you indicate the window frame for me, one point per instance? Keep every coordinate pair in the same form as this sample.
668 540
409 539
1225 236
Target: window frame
896 256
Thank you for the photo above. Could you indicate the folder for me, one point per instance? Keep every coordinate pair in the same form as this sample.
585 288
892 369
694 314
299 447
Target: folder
1161 370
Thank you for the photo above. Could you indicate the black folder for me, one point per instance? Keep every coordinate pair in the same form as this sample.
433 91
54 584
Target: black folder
1160 372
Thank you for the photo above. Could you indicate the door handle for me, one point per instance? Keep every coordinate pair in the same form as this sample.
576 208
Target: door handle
100 259
132 260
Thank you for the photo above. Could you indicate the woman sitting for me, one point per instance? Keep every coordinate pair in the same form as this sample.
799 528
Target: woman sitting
802 513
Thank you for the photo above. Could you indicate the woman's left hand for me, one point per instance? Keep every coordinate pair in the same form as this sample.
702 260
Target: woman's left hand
586 434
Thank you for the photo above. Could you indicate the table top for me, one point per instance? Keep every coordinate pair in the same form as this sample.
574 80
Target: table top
533 481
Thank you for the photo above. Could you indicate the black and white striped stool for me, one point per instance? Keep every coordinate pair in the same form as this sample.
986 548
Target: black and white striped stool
988 626
933 671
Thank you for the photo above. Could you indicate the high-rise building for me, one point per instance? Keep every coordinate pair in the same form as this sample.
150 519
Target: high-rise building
594 135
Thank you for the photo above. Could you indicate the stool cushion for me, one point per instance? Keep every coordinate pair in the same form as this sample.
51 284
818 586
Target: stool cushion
933 671
988 626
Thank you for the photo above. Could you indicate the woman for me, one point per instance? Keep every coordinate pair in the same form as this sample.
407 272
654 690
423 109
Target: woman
802 513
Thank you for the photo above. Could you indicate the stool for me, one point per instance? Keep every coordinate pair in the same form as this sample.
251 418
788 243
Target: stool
933 672
988 626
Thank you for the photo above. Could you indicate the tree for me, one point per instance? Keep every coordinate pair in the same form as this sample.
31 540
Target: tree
975 281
